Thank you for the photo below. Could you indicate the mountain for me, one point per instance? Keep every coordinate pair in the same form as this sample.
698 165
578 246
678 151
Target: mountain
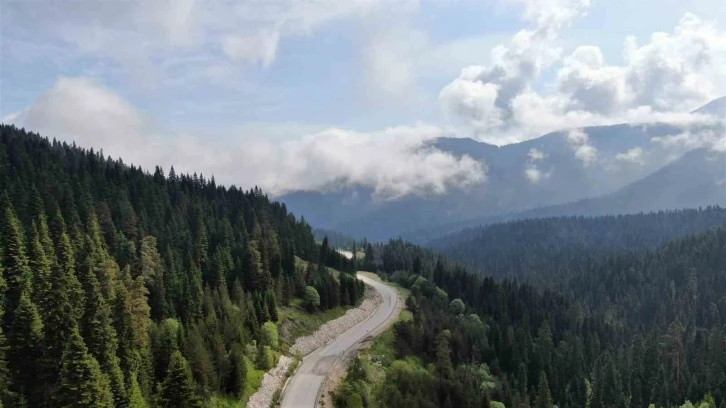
554 169
698 179
716 107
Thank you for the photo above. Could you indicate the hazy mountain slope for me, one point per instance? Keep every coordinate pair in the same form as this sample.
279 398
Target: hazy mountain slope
551 170
716 107
697 179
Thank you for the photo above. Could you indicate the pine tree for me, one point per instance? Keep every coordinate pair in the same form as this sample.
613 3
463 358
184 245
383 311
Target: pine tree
64 306
544 397
136 398
177 390
81 381
272 306
443 356
4 375
17 270
25 338
41 267
255 279
100 336
237 378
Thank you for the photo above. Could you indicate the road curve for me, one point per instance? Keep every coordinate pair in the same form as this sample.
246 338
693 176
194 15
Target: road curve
302 390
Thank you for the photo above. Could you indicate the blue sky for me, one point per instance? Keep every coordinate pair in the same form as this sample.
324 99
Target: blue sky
254 73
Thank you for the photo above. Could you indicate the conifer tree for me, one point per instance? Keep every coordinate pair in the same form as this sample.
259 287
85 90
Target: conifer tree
100 336
64 307
4 376
41 266
12 244
544 397
25 337
81 381
443 356
177 390
237 378
136 398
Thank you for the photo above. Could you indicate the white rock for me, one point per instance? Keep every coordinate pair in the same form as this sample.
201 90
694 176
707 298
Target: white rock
271 382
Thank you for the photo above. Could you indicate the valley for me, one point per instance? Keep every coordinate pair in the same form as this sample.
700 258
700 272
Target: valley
362 204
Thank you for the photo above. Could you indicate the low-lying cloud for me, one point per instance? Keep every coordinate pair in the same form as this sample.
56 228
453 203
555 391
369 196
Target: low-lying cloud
580 143
634 155
394 162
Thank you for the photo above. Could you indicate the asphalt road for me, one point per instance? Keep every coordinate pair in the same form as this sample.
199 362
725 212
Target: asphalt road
302 390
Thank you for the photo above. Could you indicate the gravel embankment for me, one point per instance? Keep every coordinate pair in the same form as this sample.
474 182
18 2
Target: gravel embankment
334 328
271 382
275 378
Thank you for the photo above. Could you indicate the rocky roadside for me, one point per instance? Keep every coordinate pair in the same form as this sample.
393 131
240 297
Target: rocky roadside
274 379
271 382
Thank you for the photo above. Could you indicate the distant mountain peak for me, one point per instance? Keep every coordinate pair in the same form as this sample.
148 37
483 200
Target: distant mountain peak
715 107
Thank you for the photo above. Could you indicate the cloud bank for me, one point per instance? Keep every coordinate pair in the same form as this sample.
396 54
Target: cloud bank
510 100
394 162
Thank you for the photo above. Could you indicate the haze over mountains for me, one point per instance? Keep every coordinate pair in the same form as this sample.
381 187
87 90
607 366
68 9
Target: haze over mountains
589 171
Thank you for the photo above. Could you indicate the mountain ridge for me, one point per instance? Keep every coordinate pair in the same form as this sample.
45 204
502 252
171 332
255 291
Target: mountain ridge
550 170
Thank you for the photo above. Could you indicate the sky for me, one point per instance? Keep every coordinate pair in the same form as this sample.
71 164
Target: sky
309 94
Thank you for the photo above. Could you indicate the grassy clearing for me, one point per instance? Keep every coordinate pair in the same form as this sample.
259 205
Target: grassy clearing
254 380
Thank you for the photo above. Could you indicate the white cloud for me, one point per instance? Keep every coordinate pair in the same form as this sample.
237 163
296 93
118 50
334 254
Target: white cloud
259 48
535 175
658 81
536 154
580 143
474 100
512 71
531 170
395 161
142 36
634 155
389 56
694 137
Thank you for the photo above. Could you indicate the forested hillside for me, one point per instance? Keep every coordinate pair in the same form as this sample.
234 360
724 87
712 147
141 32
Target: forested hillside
550 250
640 328
122 288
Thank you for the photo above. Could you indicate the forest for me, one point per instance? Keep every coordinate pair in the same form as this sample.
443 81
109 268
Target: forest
124 288
526 250
638 328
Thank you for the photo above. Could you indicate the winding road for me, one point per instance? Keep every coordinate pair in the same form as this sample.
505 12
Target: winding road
304 386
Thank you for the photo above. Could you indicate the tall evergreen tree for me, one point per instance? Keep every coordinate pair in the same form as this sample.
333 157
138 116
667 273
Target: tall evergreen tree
25 341
100 336
4 376
177 390
17 270
544 397
41 267
81 382
64 306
